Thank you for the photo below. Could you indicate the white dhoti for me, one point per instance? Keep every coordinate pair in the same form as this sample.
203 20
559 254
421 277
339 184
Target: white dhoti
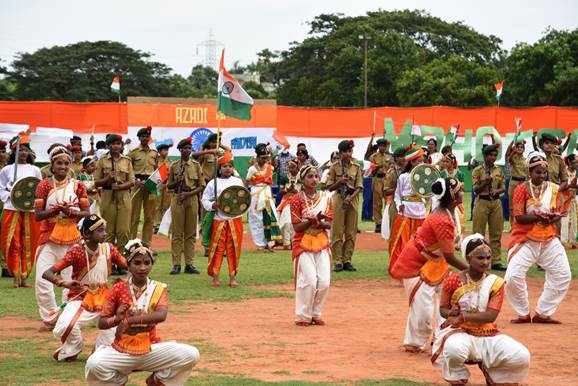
48 255
385 225
67 329
170 362
502 359
569 226
313 275
261 199
551 256
285 225
423 312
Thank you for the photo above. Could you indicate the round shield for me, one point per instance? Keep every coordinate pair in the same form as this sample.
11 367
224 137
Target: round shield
235 200
422 178
23 191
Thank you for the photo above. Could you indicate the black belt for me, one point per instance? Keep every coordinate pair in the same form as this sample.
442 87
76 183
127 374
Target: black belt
522 179
489 198
380 175
142 177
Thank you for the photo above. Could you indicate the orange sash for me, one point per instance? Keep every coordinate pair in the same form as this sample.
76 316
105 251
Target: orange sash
94 297
65 231
315 242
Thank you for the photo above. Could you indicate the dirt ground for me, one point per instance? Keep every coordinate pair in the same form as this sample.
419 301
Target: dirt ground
362 339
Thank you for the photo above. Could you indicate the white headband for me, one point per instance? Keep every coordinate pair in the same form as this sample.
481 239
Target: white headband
467 240
443 182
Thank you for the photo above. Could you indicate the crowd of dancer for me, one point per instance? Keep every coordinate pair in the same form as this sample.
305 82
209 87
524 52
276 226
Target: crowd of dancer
87 210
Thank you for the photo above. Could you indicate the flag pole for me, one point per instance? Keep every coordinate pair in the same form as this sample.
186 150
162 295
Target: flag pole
219 117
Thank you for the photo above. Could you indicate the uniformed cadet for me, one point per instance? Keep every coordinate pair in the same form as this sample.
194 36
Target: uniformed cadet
186 180
345 179
164 198
557 172
489 183
390 182
382 161
518 170
114 174
46 170
76 163
144 163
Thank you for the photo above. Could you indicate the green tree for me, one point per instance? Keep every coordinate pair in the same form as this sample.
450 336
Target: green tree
7 88
544 73
203 81
454 81
83 72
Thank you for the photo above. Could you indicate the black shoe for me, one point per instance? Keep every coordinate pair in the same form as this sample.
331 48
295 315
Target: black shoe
191 269
5 273
176 270
338 268
378 228
155 254
539 268
206 252
156 230
348 267
114 271
498 267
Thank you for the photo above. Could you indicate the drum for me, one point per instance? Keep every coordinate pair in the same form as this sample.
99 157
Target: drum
234 200
23 191
422 178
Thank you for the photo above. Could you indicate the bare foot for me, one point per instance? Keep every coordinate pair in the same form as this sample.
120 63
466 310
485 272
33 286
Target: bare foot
233 283
23 284
303 323
216 282
317 321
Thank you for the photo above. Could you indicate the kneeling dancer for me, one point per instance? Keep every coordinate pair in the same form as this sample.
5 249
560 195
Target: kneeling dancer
91 262
423 263
135 307
471 302
311 215
536 213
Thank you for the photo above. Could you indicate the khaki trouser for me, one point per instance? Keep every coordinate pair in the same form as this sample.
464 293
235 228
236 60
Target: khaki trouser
115 210
344 229
489 214
163 202
511 188
184 228
377 193
142 198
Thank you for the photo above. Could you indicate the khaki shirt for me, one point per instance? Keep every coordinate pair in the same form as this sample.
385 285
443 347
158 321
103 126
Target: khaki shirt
557 171
479 176
337 169
144 161
191 171
518 166
208 163
122 167
75 167
47 172
391 179
382 161
3 159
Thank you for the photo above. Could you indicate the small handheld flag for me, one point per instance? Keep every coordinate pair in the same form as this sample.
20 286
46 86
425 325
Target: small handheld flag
499 87
115 85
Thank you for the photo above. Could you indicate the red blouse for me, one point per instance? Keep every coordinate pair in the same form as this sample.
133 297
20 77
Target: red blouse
76 258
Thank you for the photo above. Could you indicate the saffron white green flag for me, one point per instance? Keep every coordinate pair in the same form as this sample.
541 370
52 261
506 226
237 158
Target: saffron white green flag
115 85
160 175
499 87
232 100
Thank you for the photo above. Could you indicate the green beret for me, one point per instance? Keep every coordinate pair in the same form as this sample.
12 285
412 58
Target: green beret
164 146
261 149
519 141
144 131
487 149
345 145
399 152
212 138
548 137
111 138
184 142
382 141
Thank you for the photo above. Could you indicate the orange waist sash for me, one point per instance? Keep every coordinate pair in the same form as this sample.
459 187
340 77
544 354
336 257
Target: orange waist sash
94 297
64 232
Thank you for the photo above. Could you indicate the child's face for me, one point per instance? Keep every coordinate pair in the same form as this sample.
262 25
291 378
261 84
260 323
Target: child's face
90 168
140 266
164 153
77 154
293 169
311 179
226 170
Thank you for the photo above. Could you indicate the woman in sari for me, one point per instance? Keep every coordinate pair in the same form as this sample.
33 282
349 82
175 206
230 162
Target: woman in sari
262 215
135 306
311 215
19 228
410 207
538 206
60 202
471 302
289 187
423 264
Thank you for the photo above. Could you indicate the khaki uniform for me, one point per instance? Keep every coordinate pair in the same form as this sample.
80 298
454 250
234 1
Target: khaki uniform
208 163
185 213
115 204
344 226
381 161
144 163
46 172
488 209
163 201
557 173
391 183
75 167
519 174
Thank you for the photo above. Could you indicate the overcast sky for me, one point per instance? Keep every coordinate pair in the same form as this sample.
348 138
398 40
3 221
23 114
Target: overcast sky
173 30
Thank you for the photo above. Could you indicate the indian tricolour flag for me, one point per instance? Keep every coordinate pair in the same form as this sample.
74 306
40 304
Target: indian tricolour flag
232 100
499 87
156 179
115 85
